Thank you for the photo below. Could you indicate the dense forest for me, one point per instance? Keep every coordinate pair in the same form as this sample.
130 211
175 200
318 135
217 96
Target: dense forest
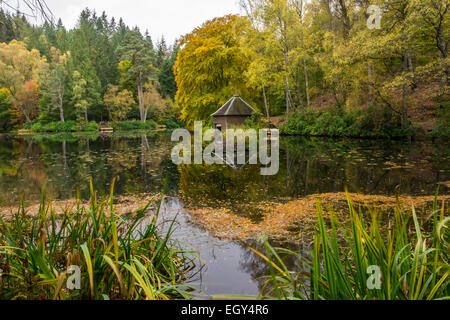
101 70
332 66
362 68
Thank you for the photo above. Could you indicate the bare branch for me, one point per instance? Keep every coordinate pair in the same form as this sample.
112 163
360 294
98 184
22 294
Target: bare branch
37 9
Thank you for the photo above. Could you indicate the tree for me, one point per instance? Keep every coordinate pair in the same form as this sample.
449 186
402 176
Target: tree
79 98
140 53
210 68
35 8
20 71
5 110
127 80
434 15
161 52
274 37
166 78
83 63
56 80
161 108
118 103
29 98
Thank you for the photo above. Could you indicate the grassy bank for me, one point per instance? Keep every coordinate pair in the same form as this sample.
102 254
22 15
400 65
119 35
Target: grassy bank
119 257
68 126
413 264
134 125
73 126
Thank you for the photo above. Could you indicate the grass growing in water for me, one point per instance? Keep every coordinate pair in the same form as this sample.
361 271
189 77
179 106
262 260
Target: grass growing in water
413 265
118 258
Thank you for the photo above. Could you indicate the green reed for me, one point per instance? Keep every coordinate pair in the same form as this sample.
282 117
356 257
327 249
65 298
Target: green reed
120 257
412 264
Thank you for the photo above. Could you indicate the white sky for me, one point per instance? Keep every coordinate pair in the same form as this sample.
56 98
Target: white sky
172 18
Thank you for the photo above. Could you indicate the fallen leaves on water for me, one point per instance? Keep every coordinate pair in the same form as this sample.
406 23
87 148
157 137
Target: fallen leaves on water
293 219
123 205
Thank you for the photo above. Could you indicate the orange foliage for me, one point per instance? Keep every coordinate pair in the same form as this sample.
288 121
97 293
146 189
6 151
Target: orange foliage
294 219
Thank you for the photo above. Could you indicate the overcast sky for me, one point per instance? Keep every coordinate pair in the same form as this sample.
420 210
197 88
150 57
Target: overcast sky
172 18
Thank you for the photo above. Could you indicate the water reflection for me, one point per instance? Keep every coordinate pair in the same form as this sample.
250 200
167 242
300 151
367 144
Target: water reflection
321 166
231 266
66 163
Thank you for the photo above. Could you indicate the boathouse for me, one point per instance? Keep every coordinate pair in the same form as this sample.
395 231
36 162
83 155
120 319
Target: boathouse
234 113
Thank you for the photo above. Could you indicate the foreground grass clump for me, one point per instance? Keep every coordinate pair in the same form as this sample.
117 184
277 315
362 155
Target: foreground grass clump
413 265
119 257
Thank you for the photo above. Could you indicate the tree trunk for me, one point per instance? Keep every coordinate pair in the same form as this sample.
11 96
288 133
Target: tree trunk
60 105
141 97
19 106
345 19
404 113
370 80
25 114
64 151
288 89
265 102
306 83
443 54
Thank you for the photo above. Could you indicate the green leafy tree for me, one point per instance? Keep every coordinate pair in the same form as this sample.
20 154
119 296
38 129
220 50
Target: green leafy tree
119 103
83 63
5 111
79 98
139 51
55 84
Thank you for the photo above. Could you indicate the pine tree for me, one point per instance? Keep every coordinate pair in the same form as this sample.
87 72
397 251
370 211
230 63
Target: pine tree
166 77
161 52
84 64
140 53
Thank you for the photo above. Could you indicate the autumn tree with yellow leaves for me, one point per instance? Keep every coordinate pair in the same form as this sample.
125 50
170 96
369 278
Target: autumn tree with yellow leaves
211 67
20 71
119 103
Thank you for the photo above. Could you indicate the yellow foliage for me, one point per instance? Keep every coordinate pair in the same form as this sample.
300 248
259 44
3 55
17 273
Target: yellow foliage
210 67
118 103
20 71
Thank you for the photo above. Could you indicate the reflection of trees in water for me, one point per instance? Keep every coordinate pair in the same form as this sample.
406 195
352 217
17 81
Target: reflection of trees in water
369 167
309 166
67 162
221 186
259 269
144 149
171 173
218 182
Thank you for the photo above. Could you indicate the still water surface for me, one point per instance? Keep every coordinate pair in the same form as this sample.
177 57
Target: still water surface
65 164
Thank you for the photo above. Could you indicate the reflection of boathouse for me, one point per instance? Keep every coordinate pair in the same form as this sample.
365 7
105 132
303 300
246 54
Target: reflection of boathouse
232 114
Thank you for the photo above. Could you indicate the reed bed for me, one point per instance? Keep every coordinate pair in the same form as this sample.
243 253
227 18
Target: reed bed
118 257
412 264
